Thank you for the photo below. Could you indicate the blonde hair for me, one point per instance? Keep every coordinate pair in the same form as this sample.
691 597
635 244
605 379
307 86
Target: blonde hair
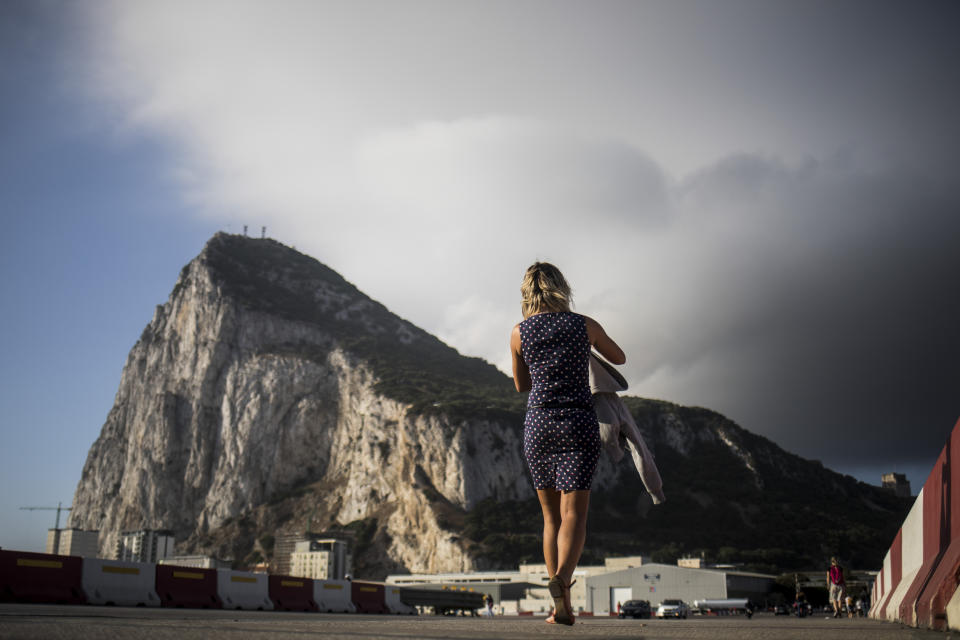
544 289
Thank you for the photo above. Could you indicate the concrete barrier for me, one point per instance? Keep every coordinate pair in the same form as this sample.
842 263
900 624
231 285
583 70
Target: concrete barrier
918 584
895 554
333 596
40 578
368 597
935 539
911 559
292 594
244 590
391 596
186 587
878 589
882 586
951 614
124 584
933 608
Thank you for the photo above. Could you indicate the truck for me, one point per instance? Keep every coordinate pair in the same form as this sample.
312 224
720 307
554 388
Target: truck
722 606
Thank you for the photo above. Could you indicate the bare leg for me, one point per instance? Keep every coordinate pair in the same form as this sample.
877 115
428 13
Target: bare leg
572 533
550 503
563 544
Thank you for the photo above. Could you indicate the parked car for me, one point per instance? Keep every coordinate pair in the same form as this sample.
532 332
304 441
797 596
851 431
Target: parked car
635 609
673 609
781 610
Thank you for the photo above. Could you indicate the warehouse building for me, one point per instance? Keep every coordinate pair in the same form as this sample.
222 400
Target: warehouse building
657 582
598 588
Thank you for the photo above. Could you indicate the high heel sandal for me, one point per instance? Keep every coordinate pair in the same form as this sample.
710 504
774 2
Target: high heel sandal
561 601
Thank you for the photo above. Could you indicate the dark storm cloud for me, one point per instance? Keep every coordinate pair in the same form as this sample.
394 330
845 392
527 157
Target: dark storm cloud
844 286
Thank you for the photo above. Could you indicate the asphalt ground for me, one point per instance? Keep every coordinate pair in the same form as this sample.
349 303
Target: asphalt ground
19 621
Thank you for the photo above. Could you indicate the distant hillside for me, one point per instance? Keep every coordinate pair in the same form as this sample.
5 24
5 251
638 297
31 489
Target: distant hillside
269 396
732 495
411 365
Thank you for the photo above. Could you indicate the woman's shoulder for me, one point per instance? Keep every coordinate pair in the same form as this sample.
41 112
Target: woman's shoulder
590 322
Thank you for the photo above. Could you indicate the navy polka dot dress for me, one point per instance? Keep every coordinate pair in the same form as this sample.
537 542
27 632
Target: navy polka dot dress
561 437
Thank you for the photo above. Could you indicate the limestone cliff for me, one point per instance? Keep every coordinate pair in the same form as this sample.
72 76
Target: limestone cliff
253 379
270 396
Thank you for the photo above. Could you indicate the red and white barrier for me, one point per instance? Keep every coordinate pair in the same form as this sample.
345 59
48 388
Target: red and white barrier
45 578
909 542
918 584
186 587
368 597
932 608
244 590
124 584
40 577
292 594
334 596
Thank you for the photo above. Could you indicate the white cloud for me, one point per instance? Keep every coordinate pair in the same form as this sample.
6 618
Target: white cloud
431 154
512 169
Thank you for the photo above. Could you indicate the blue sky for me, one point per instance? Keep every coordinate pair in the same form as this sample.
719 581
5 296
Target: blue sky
93 239
774 183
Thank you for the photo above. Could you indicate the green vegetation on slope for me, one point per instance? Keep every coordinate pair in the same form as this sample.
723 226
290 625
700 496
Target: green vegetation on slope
791 515
267 276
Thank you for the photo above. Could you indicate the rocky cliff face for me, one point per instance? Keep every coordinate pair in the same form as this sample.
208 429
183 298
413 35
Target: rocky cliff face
224 405
268 395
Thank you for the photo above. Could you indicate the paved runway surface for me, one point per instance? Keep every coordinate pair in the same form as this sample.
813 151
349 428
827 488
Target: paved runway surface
49 621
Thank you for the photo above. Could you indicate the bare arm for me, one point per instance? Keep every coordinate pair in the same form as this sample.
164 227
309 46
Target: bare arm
521 374
603 343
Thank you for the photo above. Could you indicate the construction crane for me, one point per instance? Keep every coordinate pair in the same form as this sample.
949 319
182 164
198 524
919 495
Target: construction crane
57 508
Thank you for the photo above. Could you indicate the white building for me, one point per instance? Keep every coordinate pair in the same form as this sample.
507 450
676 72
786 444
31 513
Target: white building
73 542
533 578
197 562
320 559
145 545
897 483
692 563
656 582
539 600
598 588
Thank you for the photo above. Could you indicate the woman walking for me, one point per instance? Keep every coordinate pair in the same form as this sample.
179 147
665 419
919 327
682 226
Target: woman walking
561 437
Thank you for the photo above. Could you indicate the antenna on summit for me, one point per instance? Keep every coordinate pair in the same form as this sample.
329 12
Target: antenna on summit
244 230
263 232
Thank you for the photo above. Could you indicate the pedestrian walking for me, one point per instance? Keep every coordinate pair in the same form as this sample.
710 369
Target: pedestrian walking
550 350
837 585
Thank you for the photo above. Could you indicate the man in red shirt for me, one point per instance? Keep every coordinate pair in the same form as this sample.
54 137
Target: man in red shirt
837 587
